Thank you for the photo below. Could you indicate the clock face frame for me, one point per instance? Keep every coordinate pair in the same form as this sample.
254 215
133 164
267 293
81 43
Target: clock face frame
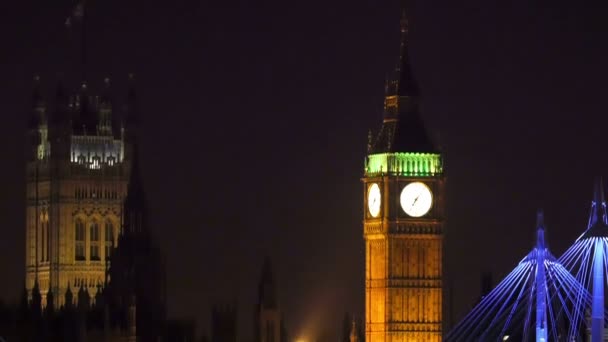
374 199
416 199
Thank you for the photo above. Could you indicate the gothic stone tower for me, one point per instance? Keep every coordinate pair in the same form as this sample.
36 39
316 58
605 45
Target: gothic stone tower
404 219
76 180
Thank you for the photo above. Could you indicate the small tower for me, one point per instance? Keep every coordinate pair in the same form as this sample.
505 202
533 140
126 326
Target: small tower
267 314
50 303
353 332
137 266
76 179
68 298
36 303
132 319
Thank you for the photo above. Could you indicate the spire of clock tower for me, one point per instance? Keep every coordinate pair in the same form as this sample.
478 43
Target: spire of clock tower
402 128
406 85
404 200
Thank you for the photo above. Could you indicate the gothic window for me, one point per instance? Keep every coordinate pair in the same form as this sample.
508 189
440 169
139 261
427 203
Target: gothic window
43 238
111 161
48 240
109 233
94 241
82 159
80 237
96 162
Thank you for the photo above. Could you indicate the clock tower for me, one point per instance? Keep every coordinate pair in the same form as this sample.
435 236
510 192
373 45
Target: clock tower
403 223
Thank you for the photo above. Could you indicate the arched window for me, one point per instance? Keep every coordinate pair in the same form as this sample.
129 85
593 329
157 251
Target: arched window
43 237
96 162
79 239
48 240
94 240
109 238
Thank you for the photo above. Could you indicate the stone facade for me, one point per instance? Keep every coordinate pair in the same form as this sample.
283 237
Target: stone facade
77 174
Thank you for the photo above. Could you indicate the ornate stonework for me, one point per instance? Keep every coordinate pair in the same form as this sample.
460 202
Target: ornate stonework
76 181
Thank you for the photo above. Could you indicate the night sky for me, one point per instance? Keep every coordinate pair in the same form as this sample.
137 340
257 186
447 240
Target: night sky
256 116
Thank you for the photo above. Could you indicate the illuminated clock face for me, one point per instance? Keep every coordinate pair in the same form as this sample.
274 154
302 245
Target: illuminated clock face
416 199
373 200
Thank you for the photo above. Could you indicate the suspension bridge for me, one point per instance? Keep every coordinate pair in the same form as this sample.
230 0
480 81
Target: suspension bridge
545 298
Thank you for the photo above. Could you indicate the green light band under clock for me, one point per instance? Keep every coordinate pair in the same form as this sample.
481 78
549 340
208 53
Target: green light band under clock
403 164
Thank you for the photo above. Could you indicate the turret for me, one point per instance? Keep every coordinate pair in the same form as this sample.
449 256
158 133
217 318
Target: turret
267 297
99 299
69 297
59 127
37 114
132 319
267 320
135 218
38 105
85 115
131 116
353 333
36 303
84 300
105 109
50 302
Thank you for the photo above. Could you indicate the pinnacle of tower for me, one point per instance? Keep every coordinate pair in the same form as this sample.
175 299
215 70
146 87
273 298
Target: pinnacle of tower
99 299
68 296
598 211
267 289
135 204
37 102
131 105
37 99
402 129
105 95
407 85
36 298
540 230
36 288
50 301
597 218
61 102
353 332
83 299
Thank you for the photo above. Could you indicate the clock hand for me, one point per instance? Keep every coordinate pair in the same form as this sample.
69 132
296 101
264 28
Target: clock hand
415 200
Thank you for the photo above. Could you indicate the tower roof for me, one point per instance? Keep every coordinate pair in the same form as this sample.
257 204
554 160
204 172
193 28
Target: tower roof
402 129
597 218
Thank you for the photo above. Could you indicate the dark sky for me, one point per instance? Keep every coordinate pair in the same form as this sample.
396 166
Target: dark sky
256 116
